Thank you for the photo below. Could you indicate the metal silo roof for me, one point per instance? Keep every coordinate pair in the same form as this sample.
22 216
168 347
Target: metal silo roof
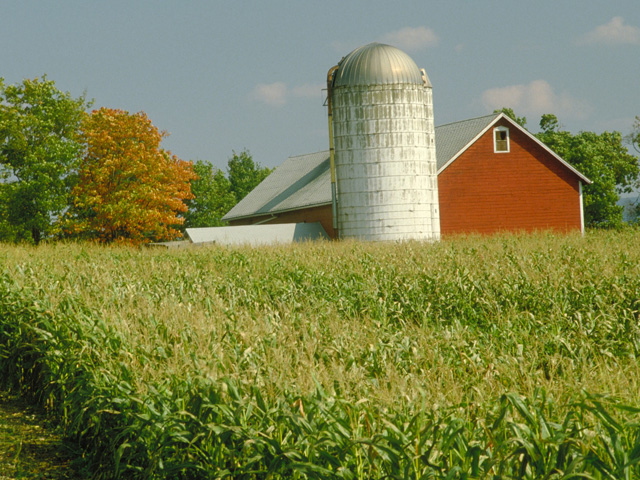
377 64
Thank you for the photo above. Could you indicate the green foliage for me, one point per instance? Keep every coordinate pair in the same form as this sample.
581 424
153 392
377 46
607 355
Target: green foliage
603 159
464 359
31 446
522 121
549 123
244 174
213 197
216 194
9 232
39 151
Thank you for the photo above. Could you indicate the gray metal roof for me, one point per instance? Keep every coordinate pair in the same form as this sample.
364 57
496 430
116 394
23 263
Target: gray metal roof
301 181
377 64
305 180
453 137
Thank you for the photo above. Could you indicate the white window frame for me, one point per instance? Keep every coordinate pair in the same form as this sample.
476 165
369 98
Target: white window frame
495 142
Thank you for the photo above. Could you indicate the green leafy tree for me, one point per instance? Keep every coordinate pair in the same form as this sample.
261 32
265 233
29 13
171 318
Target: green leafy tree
8 232
522 121
244 174
215 194
601 157
213 197
40 148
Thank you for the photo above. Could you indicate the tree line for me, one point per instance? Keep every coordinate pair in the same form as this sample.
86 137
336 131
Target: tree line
67 173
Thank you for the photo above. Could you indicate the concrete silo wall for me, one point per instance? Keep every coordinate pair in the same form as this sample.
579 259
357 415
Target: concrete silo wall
385 162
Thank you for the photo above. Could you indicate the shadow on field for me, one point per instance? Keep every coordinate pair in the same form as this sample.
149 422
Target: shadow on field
29 446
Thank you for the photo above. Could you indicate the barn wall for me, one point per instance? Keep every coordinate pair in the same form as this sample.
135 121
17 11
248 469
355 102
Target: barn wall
524 189
309 215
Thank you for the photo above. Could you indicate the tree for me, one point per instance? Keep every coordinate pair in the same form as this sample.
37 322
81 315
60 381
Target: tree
213 197
549 123
215 194
603 159
244 174
39 151
129 190
8 231
522 121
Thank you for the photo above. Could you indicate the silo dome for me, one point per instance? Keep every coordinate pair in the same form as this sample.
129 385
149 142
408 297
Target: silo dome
383 147
377 64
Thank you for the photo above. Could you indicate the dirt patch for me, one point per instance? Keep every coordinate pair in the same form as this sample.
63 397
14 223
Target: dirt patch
30 446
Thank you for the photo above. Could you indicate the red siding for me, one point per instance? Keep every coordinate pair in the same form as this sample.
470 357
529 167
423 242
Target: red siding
524 189
308 215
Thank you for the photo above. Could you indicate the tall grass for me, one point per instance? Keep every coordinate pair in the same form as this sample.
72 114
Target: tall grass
511 356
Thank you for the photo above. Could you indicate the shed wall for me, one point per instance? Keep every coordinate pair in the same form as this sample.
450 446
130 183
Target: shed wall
525 189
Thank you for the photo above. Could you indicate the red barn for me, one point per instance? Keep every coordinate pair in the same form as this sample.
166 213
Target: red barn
493 175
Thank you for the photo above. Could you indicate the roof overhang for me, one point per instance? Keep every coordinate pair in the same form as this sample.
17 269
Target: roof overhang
272 213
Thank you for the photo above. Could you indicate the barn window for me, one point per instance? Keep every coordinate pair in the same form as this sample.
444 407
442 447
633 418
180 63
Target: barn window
500 139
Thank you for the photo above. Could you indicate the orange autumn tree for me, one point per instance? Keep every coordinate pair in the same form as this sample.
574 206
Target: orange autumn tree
129 189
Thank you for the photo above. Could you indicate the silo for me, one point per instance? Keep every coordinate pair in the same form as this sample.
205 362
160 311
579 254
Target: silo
383 146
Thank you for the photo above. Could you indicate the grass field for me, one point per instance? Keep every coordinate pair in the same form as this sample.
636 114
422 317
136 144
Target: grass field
501 357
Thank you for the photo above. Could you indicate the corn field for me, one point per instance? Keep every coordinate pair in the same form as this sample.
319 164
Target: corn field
514 356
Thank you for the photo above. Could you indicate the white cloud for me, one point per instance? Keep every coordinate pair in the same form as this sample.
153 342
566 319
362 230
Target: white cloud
274 94
278 94
411 38
308 90
536 98
613 33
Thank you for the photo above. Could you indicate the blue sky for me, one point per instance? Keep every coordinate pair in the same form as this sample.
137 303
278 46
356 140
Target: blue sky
224 76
